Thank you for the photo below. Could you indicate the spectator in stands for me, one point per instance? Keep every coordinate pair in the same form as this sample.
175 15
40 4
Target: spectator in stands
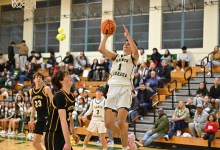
51 61
152 83
19 112
156 57
214 94
211 128
101 70
32 58
143 96
133 112
183 60
2 111
2 62
80 63
214 59
85 95
38 63
207 105
87 60
192 108
137 79
142 57
167 57
180 120
9 83
27 74
80 109
200 93
92 71
11 55
25 120
16 72
198 125
68 59
159 129
4 92
163 74
23 53
152 67
9 113
2 79
143 72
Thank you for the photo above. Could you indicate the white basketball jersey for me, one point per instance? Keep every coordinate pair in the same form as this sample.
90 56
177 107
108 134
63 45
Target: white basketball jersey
122 72
98 109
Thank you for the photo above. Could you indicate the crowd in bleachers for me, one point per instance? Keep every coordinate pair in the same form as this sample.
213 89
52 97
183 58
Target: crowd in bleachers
151 73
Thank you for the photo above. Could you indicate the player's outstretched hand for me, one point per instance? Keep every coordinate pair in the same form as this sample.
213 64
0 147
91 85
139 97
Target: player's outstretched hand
126 33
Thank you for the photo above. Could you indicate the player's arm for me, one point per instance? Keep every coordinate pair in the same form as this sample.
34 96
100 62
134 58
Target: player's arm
65 130
108 54
72 130
88 112
133 46
49 93
33 107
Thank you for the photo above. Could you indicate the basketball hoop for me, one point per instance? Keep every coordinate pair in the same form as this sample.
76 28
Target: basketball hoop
24 4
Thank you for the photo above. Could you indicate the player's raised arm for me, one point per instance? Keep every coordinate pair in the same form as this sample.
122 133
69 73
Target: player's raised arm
103 50
132 45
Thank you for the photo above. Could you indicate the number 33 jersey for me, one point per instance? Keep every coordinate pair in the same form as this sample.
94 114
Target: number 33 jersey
122 72
41 103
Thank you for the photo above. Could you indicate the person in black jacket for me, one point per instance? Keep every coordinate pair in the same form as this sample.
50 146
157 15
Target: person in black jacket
144 99
11 55
156 57
68 60
215 94
101 70
134 109
164 74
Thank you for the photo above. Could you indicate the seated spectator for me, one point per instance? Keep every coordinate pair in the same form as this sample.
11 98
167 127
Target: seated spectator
143 96
200 93
4 92
16 72
207 105
192 108
214 59
9 83
2 62
152 83
211 128
143 72
38 62
152 67
163 74
92 71
142 57
68 59
160 128
101 70
156 57
198 125
27 74
136 79
51 61
80 63
183 60
32 58
167 57
180 120
2 79
214 94
133 112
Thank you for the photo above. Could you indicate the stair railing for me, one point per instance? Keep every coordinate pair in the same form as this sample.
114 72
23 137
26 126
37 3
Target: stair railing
188 78
203 64
172 90
154 105
210 62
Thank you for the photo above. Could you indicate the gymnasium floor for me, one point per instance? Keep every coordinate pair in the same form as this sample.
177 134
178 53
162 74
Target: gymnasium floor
18 144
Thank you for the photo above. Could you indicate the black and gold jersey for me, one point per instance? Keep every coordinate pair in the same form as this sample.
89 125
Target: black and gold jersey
61 100
41 102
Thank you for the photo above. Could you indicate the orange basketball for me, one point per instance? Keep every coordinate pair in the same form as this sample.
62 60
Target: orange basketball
108 26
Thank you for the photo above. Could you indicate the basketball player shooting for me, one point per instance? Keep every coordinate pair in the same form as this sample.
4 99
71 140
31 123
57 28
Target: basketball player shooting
120 83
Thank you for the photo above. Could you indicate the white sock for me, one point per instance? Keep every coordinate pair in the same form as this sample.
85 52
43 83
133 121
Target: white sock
84 146
124 148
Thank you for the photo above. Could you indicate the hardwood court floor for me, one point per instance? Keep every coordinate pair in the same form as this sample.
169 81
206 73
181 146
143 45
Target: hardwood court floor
13 144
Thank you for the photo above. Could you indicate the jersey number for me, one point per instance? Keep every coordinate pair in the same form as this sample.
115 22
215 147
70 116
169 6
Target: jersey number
97 112
119 68
38 103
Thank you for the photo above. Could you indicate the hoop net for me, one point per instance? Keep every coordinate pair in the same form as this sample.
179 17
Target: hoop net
24 4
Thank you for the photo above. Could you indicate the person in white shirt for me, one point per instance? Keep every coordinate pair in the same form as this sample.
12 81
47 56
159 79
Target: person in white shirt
182 60
142 57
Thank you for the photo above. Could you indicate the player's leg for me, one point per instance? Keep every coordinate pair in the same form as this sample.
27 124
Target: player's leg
86 140
110 116
37 142
122 115
103 140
